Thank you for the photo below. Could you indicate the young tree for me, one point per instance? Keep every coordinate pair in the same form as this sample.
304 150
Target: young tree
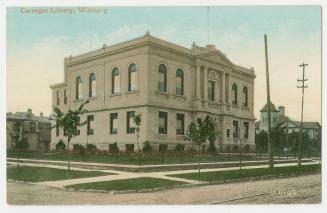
69 123
137 121
202 131
15 134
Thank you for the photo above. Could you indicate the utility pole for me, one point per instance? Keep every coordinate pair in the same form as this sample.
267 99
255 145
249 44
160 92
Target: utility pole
270 155
302 86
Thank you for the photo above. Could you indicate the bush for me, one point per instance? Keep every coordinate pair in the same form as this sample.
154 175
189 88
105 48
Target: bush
60 145
79 148
23 144
147 147
113 147
179 148
212 147
91 147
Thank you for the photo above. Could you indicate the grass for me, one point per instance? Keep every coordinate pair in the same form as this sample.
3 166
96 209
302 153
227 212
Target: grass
250 173
39 174
127 184
132 159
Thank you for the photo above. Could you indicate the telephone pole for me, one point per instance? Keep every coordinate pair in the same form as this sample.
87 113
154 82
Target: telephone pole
270 155
302 86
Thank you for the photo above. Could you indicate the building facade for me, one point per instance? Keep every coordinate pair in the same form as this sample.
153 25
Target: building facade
168 84
35 130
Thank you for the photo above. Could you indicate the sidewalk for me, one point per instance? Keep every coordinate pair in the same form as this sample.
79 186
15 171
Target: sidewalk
120 175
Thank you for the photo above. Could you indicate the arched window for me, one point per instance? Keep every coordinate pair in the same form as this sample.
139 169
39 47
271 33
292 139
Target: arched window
92 85
234 91
132 77
115 77
162 78
245 96
79 88
179 82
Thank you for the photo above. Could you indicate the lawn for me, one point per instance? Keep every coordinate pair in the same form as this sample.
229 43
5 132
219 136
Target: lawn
128 184
250 173
39 174
154 158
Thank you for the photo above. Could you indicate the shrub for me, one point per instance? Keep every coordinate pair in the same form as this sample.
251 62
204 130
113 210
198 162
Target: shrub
79 148
113 147
179 148
147 147
212 147
91 147
23 144
60 145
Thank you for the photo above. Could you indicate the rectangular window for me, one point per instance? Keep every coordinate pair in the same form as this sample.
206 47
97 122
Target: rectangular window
78 132
211 90
113 123
163 117
162 82
58 98
132 86
163 147
130 122
65 96
235 129
90 129
246 130
129 147
228 133
57 131
180 124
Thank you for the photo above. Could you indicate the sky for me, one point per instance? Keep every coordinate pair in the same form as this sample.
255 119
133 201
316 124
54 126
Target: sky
37 44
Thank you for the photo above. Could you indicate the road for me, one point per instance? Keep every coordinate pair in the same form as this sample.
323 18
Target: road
301 189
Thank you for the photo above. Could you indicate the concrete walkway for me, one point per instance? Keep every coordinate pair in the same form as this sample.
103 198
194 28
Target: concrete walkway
120 175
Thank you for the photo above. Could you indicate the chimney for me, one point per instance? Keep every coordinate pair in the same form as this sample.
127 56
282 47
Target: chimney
281 112
41 114
29 113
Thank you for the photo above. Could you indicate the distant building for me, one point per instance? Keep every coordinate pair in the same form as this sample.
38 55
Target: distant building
35 129
278 117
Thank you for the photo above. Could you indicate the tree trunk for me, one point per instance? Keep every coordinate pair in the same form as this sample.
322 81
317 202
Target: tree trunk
199 159
68 157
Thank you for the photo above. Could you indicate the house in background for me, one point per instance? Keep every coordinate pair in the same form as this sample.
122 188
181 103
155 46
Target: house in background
278 117
168 84
36 130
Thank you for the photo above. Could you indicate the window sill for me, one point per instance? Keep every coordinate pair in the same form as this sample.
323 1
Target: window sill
115 94
161 93
92 98
245 108
180 96
235 106
79 100
132 92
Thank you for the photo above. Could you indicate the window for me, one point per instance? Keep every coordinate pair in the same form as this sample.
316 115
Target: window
228 133
179 82
180 124
132 77
245 96
163 117
57 131
264 120
211 90
162 78
79 88
58 97
77 129
246 130
163 147
234 94
130 122
115 78
92 85
235 129
90 130
129 147
113 123
65 96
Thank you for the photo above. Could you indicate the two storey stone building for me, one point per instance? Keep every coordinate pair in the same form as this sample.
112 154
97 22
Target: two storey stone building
168 84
